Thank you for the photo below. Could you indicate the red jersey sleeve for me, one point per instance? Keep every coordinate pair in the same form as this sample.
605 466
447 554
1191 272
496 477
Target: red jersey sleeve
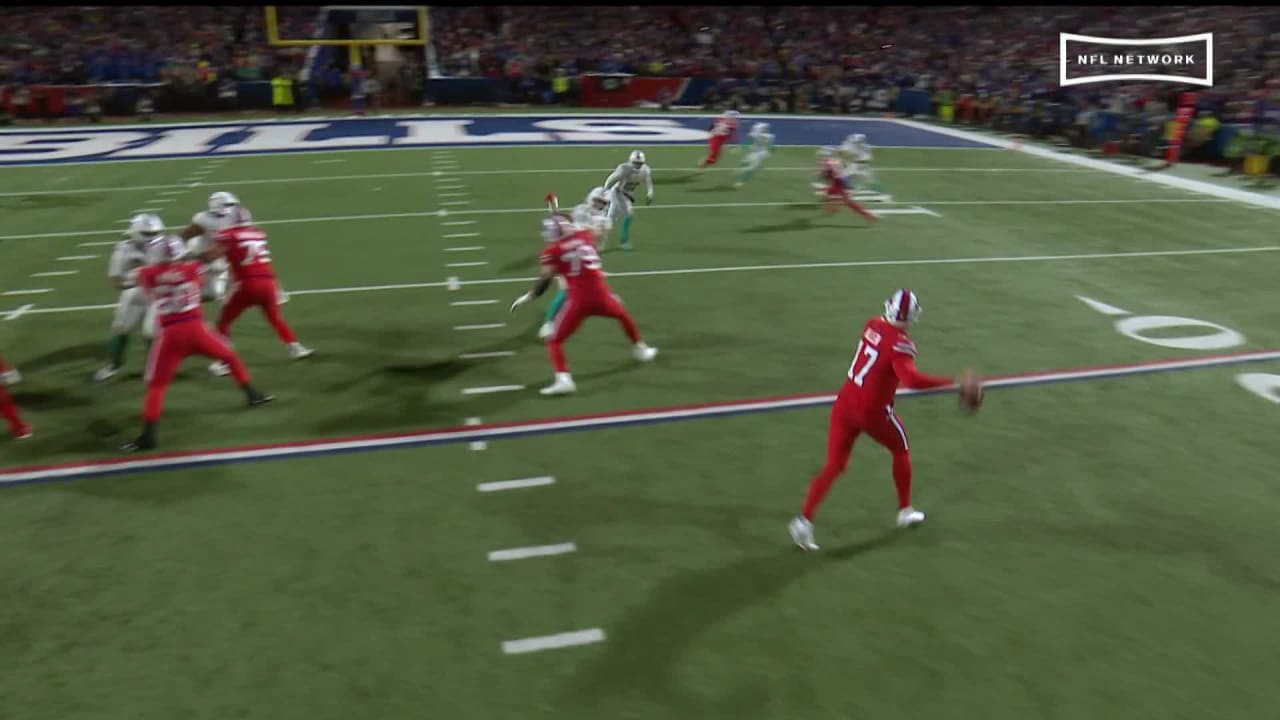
904 366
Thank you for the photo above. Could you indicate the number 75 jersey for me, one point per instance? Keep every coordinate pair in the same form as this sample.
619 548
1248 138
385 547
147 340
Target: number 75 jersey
247 253
576 260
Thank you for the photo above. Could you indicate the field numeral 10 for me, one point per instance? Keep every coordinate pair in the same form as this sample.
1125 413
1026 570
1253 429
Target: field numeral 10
1217 337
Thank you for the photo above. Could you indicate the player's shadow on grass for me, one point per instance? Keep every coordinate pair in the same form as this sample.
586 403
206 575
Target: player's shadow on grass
645 647
45 202
722 187
525 263
43 400
93 351
161 489
676 180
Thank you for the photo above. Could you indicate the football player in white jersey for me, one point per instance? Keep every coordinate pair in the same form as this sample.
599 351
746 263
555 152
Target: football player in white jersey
622 186
855 152
132 310
590 215
761 145
199 238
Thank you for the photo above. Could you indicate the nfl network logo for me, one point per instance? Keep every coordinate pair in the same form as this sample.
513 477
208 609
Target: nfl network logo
1187 59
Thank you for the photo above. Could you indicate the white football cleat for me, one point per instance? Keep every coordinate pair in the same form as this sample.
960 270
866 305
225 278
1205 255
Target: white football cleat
563 385
282 297
297 351
909 516
546 331
10 377
738 184
802 533
105 373
643 352
219 369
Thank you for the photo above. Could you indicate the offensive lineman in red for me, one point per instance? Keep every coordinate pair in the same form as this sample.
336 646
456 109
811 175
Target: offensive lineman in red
571 253
884 359
838 190
8 408
723 130
245 247
174 287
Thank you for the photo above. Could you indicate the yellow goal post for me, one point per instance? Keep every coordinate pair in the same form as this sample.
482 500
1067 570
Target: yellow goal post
372 13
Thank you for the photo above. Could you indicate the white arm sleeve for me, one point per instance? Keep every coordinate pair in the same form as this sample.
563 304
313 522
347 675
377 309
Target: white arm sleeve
613 179
115 266
648 180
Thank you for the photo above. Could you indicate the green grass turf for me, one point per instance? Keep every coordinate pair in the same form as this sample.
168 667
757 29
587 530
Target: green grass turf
1097 550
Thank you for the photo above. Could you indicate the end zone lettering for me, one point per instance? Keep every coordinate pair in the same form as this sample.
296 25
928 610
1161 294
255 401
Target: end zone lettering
223 139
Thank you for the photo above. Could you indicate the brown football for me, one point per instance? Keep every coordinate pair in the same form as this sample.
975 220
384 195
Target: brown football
969 388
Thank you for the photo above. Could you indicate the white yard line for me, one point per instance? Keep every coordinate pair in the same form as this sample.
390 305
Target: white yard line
524 553
478 444
486 355
484 326
490 389
466 248
453 236
102 243
454 194
467 303
685 206
18 312
476 263
553 642
456 223
77 258
516 484
454 283
521 171
40 291
56 273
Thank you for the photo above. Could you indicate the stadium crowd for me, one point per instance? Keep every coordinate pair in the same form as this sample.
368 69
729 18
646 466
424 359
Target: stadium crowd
992 65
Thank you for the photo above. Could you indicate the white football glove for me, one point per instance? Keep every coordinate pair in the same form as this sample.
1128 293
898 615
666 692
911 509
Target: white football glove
520 301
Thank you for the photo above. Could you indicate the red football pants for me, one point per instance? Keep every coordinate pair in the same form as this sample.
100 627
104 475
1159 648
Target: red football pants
256 292
8 408
577 309
848 421
713 149
177 343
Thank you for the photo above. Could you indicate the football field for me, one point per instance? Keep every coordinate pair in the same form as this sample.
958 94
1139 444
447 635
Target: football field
1098 548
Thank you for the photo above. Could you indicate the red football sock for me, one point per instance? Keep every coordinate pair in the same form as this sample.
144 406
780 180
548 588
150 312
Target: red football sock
859 209
558 359
902 478
629 327
153 407
238 370
276 318
818 489
9 409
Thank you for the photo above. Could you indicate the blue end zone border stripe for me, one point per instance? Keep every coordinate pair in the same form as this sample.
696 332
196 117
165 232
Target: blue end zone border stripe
37 146
224 456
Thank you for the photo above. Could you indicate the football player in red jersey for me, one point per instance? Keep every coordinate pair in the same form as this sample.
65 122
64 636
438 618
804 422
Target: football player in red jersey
571 254
838 190
724 130
885 359
173 286
245 247
8 408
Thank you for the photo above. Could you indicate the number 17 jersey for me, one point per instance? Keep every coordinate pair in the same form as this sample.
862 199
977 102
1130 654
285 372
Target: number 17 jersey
885 358
576 260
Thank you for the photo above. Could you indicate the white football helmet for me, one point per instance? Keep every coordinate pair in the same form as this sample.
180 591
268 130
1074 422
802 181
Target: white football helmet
902 308
858 139
220 203
825 152
731 113
165 249
759 129
144 228
598 198
239 216
555 228
637 158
